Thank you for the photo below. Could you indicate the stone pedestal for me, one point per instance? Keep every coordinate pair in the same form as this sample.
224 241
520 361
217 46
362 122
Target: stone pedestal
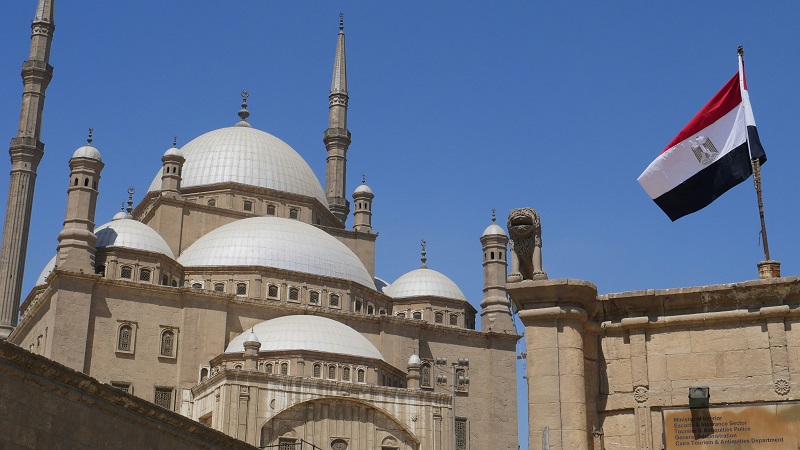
769 269
554 315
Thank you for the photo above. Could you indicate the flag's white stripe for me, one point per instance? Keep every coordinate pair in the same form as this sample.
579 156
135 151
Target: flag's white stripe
679 163
748 110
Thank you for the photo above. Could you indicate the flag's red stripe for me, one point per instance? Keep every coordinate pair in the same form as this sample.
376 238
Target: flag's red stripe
722 103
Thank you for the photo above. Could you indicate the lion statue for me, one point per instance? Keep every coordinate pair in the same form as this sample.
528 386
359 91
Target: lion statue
525 231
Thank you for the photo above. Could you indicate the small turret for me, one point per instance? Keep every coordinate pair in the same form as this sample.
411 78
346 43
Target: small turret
495 307
362 215
251 347
413 377
171 175
76 240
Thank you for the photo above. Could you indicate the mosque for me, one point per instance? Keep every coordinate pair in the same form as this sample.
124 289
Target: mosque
235 295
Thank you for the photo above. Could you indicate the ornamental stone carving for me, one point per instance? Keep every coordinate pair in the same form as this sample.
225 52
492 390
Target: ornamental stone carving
525 231
782 387
640 394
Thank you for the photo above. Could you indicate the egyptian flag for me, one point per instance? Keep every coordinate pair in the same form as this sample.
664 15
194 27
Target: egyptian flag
710 155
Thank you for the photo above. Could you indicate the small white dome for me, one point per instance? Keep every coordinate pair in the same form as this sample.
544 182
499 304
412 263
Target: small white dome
173 151
414 360
252 337
362 189
248 156
129 233
280 243
494 230
313 333
87 151
424 283
46 272
122 215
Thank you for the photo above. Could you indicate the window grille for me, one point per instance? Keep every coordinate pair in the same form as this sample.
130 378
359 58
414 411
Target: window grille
197 285
339 444
268 368
241 288
165 280
125 387
334 301
361 374
401 315
287 444
317 371
284 368
425 378
346 374
358 306
293 213
417 315
125 338
144 274
461 433
272 291
294 293
212 202
248 205
219 287
454 319
313 297
270 210
331 372
370 310
126 272
439 317
163 398
167 342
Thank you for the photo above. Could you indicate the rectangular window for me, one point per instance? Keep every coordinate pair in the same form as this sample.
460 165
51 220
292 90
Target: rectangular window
163 398
125 387
272 291
287 444
461 433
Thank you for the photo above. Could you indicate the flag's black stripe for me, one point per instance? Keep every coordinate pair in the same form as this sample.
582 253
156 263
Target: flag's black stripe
755 144
705 186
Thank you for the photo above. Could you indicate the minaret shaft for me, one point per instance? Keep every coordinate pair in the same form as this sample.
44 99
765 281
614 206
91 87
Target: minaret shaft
26 152
337 137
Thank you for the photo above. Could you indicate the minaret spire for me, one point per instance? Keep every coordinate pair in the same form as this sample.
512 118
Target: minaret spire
26 152
337 137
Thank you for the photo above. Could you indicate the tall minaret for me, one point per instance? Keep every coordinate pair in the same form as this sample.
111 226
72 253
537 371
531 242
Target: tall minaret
495 307
26 151
337 137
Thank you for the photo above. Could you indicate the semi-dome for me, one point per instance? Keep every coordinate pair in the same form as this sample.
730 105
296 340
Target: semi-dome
41 281
494 230
129 233
280 243
248 156
362 189
424 283
87 151
312 333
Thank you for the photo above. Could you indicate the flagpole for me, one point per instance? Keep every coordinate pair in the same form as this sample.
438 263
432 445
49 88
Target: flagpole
766 268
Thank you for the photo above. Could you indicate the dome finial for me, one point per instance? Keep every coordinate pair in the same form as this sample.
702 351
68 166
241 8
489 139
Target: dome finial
244 113
89 140
494 215
363 178
175 141
341 22
424 258
131 191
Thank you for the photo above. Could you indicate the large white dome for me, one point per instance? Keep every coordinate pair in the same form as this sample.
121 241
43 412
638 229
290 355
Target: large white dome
280 243
424 283
313 333
241 154
133 234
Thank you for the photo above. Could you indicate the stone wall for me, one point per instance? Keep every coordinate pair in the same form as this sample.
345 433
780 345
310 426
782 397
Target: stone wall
46 405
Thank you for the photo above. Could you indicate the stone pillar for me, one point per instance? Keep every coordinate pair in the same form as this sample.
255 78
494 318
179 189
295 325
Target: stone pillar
554 313
251 347
413 377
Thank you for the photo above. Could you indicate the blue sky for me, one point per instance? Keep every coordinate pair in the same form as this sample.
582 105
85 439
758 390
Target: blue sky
455 108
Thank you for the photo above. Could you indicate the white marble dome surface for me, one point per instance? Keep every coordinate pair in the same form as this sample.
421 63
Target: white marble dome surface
280 243
87 151
424 283
46 272
129 233
313 333
494 230
248 156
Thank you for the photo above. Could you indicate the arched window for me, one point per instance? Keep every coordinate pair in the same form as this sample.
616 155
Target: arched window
270 210
294 293
438 317
203 374
241 288
382 312
401 315
268 368
284 368
425 375
317 371
272 291
501 256
168 343
313 298
333 301
491 255
417 315
125 339
76 182
94 185
248 205
144 274
346 374
219 287
331 372
197 285
126 272
174 283
86 182
165 280
358 306
361 374
212 202
293 213
370 310
454 319
237 366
